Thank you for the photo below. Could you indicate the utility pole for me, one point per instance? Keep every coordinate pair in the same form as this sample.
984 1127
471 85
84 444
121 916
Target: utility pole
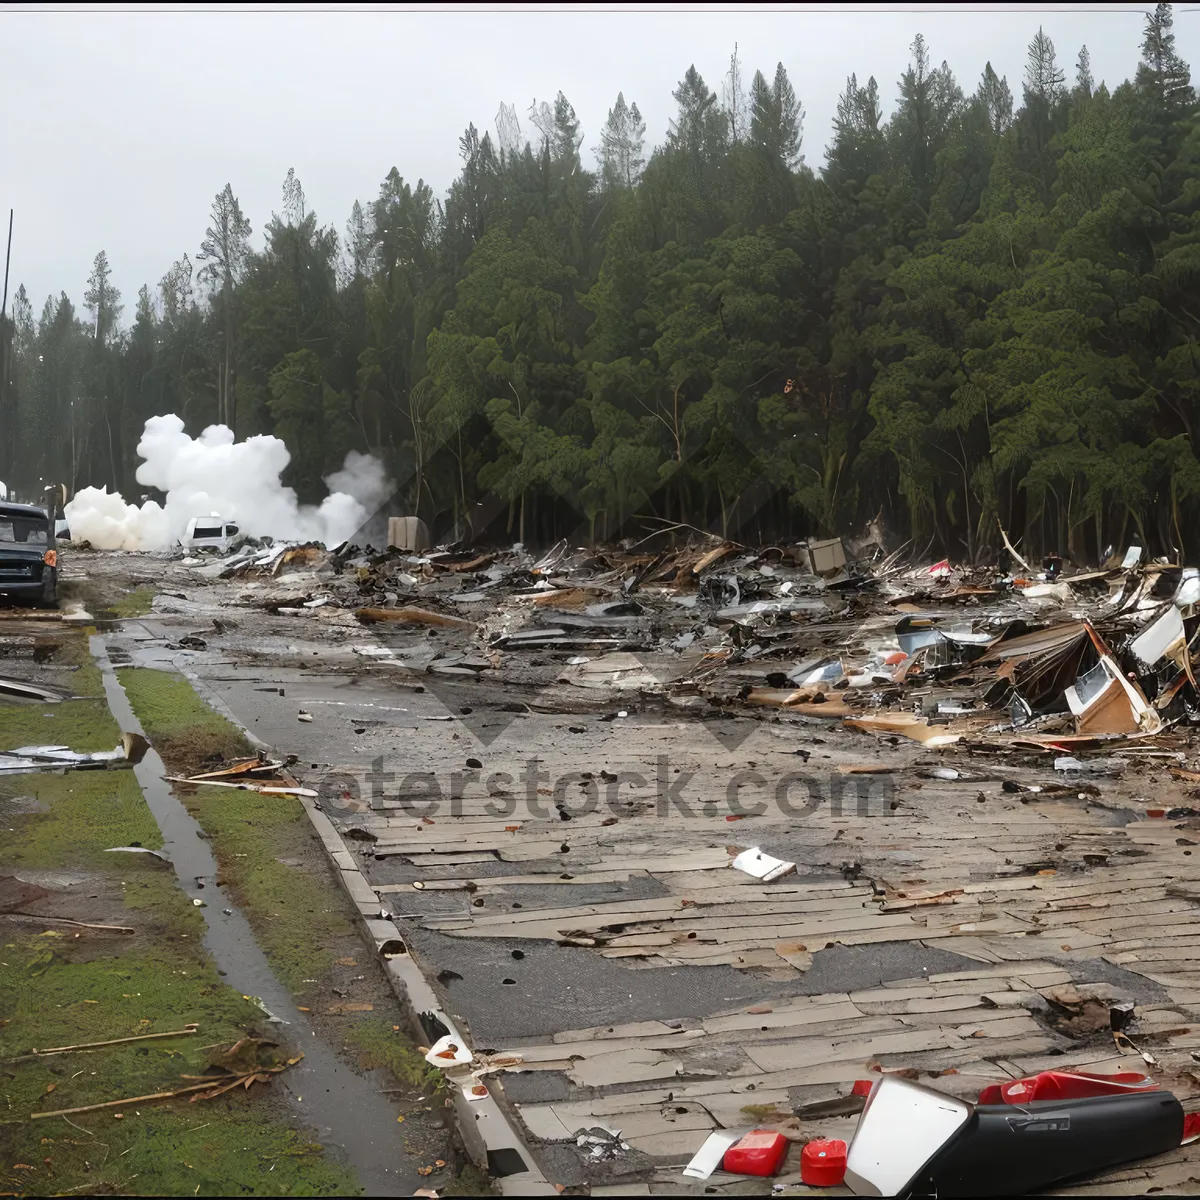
5 342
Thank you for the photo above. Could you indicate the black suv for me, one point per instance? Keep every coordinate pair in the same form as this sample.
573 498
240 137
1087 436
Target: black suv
28 558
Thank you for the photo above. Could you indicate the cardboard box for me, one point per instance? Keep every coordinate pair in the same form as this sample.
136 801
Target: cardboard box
408 533
827 557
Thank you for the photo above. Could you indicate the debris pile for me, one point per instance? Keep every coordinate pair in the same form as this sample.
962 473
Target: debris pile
258 774
1047 662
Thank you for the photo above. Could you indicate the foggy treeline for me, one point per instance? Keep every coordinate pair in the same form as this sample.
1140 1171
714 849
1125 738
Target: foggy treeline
983 309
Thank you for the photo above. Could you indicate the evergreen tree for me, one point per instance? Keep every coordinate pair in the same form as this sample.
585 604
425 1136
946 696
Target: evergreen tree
1084 83
971 314
996 100
102 300
621 142
224 252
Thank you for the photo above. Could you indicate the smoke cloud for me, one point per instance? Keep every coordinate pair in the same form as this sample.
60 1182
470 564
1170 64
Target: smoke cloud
240 481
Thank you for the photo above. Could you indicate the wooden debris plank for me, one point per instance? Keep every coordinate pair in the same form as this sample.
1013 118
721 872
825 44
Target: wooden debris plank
681 1143
999 971
862 929
425 859
1011 1026
731 885
847 1069
647 1123
1187 952
617 912
785 1017
921 1004
531 851
631 1067
1167 935
604 1033
751 912
442 843
813 1052
1160 914
501 883
694 860
559 1052
839 1026
999 925
438 824
1015 978
1056 899
544 1122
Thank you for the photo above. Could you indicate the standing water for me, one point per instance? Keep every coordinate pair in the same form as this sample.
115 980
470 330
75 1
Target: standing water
344 1107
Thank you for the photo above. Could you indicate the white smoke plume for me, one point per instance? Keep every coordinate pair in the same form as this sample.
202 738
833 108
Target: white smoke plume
239 481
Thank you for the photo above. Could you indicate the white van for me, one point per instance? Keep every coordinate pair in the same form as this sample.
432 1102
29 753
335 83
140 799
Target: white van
209 533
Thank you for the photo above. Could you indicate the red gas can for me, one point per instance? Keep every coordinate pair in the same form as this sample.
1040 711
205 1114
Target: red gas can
760 1152
823 1163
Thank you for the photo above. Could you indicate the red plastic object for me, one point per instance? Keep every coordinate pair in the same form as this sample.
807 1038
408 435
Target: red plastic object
823 1163
862 1087
1065 1085
760 1152
1191 1128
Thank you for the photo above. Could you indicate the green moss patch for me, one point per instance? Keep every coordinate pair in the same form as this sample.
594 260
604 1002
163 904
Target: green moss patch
185 731
134 603
380 1044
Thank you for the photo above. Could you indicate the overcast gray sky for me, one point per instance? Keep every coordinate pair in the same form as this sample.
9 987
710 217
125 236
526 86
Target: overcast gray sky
117 126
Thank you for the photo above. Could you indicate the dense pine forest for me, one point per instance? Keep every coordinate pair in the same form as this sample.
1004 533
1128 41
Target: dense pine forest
981 311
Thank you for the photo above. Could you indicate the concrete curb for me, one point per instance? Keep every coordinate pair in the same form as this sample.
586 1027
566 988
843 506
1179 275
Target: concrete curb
483 1126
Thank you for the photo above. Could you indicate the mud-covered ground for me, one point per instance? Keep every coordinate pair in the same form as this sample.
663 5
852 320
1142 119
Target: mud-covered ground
360 1111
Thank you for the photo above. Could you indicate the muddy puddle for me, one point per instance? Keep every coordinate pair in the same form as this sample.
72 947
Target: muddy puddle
345 1108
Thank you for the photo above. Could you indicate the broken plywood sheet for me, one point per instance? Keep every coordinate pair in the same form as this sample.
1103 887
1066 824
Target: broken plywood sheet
628 1066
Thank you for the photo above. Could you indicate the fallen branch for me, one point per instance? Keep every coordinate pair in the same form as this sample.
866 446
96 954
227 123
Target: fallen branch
1012 549
214 1086
413 616
68 921
186 1031
183 1091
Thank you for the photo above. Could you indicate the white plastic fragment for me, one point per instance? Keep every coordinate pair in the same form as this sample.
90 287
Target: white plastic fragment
708 1158
137 850
762 866
449 1051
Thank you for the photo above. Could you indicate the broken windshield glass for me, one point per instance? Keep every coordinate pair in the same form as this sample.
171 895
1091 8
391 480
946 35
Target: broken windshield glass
22 531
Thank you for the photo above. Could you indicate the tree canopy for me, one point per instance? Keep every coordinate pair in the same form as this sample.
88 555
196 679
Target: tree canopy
974 312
